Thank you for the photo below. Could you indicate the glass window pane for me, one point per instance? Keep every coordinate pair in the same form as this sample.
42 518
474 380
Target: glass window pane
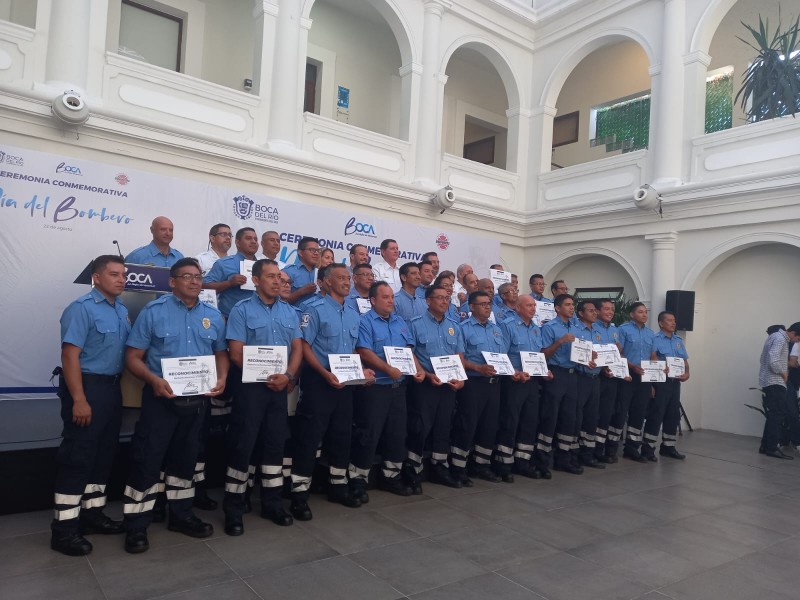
149 36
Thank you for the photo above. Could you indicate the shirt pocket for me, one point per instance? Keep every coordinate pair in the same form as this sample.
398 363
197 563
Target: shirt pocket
354 333
167 334
108 332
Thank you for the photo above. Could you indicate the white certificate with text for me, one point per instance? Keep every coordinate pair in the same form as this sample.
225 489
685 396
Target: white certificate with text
581 352
259 362
347 368
401 358
677 366
534 364
209 297
448 368
545 311
499 278
501 363
607 354
654 371
246 269
364 305
620 370
190 376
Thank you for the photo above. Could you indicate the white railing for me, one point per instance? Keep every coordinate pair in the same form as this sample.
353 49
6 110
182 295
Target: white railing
19 48
481 185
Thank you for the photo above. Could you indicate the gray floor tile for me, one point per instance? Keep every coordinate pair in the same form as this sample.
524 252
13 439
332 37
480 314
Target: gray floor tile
268 549
158 572
25 523
494 546
431 517
492 505
415 566
778 513
556 530
31 553
336 578
735 532
356 530
611 515
73 582
482 587
565 577
230 590
561 492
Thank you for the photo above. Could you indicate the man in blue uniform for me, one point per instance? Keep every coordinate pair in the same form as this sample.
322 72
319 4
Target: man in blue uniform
358 298
177 325
225 276
158 252
536 283
94 329
588 391
637 345
431 401
508 295
379 410
665 407
408 304
519 404
325 410
478 402
259 417
302 274
605 332
558 408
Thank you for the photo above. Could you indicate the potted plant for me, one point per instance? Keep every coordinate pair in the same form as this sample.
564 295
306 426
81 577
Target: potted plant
771 84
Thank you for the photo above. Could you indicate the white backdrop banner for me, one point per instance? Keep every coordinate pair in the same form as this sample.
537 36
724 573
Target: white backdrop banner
58 213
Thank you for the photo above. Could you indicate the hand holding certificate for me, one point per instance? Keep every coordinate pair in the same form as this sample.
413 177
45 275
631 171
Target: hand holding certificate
654 371
448 368
545 311
259 363
620 369
534 364
607 354
348 369
676 366
499 277
190 376
401 358
501 363
246 269
581 352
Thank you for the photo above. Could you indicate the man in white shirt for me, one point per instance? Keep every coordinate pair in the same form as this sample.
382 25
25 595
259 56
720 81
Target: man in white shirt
387 270
219 242
270 246
459 291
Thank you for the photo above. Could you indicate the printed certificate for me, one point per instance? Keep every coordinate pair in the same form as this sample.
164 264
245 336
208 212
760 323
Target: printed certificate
364 305
246 269
654 371
545 311
347 368
620 370
581 352
190 376
209 297
534 364
259 362
501 363
499 278
607 354
449 368
676 365
401 358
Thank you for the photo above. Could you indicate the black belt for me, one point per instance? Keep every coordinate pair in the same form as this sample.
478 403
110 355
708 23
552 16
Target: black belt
101 378
486 379
565 369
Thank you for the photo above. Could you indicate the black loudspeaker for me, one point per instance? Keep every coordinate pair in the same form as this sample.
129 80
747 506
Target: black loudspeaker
681 304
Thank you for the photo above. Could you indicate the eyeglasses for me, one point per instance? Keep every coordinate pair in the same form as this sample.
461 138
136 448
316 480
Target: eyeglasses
312 250
367 274
187 277
440 297
482 304
225 234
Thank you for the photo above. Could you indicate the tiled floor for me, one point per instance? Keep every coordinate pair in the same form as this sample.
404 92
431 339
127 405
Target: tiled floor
723 524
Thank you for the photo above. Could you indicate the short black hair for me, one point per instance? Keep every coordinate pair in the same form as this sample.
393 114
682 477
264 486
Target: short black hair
535 276
599 304
429 291
427 255
554 285
215 228
322 272
385 243
473 297
561 298
373 289
424 261
242 231
99 264
663 314
583 304
305 241
187 261
794 328
404 269
635 306
354 247
259 265
774 328
362 267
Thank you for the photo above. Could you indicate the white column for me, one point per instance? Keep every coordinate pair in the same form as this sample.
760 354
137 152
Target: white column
519 126
666 124
67 60
663 270
429 131
695 72
285 99
265 14
410 76
541 151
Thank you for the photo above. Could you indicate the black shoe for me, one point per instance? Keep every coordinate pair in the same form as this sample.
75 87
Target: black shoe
358 489
234 526
649 456
606 460
279 516
634 455
544 472
441 475
73 544
778 454
527 470
136 542
92 522
345 499
395 485
672 452
203 501
486 474
300 510
461 477
568 468
411 478
191 526
592 463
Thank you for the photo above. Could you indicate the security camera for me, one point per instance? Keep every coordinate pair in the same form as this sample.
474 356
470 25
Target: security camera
647 197
70 109
445 198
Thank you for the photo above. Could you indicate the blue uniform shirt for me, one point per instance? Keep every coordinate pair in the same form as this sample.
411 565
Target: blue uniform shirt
435 338
408 307
637 342
420 292
553 330
581 331
503 312
669 346
352 301
100 329
223 270
375 332
539 298
329 328
521 338
301 275
166 328
151 255
481 338
604 334
257 324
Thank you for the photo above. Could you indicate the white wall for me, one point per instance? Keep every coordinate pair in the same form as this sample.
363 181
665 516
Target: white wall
594 271
228 42
21 12
367 57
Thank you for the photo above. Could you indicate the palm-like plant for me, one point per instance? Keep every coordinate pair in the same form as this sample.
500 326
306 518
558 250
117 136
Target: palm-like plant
772 81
